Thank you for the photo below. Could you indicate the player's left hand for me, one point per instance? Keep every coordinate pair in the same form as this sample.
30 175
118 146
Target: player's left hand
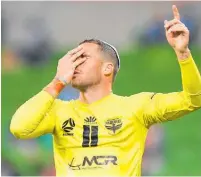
177 33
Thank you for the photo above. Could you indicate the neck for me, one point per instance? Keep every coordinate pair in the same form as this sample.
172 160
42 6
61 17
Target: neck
94 93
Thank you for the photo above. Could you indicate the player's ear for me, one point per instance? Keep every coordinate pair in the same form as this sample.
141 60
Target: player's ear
108 68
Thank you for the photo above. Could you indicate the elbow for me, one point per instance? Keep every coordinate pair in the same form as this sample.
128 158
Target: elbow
16 130
195 101
199 102
18 125
18 133
21 133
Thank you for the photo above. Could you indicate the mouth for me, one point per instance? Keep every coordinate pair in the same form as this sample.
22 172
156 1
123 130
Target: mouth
76 73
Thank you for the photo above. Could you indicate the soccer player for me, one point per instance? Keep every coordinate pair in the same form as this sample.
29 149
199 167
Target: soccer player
103 134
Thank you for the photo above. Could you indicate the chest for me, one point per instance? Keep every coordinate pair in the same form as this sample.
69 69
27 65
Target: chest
87 127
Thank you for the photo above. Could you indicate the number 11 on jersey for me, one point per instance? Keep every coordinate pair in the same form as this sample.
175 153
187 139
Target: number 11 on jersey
90 133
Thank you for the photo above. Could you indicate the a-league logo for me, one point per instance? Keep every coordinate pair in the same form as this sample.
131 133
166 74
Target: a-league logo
68 127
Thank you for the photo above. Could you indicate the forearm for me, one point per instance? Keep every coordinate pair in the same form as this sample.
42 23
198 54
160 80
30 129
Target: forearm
191 79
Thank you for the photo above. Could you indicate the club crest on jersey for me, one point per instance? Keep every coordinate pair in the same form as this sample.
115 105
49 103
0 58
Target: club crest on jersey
68 127
91 120
113 125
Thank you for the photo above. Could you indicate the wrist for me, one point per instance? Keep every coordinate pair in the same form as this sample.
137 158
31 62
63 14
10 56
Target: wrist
183 55
55 87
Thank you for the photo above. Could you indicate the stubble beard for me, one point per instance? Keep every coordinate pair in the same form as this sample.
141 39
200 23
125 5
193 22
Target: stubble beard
83 86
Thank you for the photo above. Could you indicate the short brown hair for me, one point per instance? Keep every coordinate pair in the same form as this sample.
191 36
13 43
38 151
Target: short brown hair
109 50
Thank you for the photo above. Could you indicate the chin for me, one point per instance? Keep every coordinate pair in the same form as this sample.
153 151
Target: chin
77 84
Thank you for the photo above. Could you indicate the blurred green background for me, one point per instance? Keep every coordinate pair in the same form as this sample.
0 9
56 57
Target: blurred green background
148 69
35 35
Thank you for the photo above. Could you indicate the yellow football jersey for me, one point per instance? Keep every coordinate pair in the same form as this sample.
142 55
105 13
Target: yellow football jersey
107 137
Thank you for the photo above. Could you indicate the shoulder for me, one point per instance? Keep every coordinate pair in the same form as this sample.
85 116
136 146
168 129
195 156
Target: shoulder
138 97
137 100
142 96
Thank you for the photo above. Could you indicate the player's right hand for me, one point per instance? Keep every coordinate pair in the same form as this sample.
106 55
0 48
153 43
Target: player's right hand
68 63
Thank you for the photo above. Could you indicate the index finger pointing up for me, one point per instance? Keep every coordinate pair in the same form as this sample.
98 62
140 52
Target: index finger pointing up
175 12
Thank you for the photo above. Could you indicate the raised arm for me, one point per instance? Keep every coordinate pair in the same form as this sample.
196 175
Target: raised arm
37 116
163 107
